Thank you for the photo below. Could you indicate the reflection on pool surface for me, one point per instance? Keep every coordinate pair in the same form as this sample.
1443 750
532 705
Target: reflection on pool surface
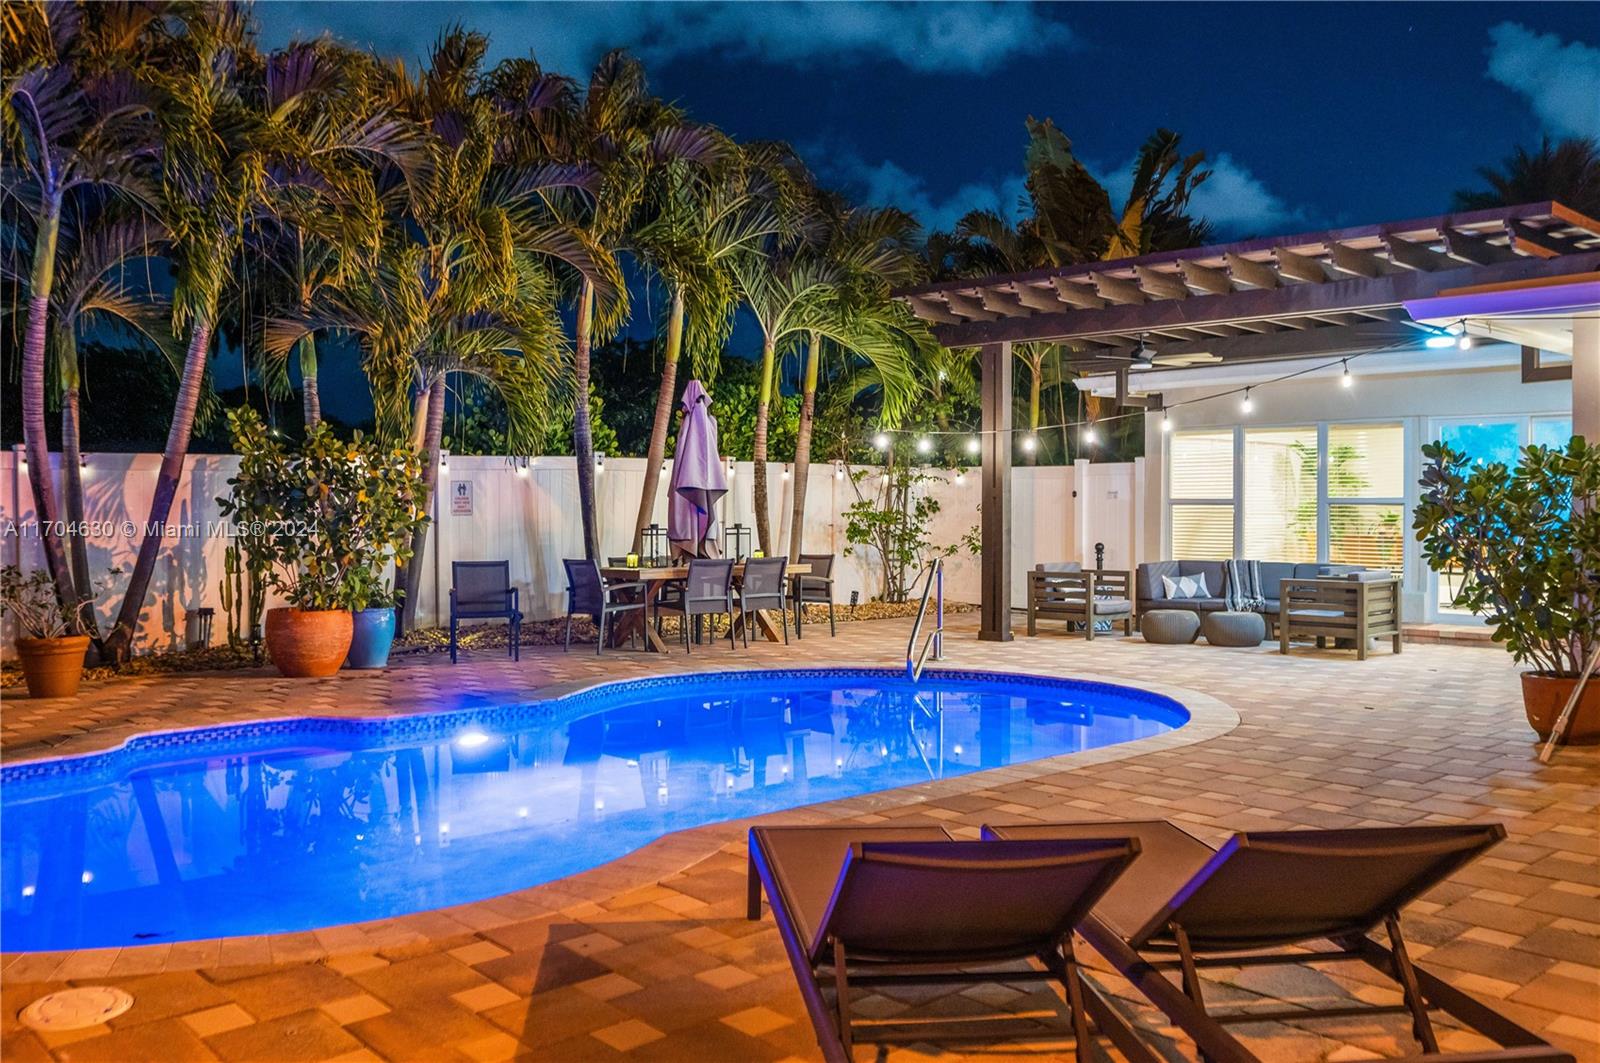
288 826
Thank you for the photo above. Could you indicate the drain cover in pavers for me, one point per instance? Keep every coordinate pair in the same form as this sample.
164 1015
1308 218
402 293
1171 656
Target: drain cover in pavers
76 1009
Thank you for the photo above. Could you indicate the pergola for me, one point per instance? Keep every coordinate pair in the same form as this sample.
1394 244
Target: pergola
1331 293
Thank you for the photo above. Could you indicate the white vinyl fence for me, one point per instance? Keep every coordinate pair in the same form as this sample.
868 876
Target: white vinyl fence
488 509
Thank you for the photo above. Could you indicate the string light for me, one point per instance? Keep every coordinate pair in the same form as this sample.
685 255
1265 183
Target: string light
1464 343
1248 404
1166 422
1089 435
973 446
881 441
1029 443
924 445
1347 381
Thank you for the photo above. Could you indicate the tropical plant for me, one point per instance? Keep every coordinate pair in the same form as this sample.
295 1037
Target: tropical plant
696 222
891 516
626 135
1567 172
327 516
1527 541
31 601
76 123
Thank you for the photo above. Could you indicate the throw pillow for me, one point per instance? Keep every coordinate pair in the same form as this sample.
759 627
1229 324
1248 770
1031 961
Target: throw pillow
1186 586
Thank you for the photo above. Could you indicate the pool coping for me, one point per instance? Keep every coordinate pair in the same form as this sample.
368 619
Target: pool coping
1209 718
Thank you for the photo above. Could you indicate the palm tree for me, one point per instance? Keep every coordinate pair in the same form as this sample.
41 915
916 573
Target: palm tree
873 250
697 224
625 134
75 122
465 282
1567 172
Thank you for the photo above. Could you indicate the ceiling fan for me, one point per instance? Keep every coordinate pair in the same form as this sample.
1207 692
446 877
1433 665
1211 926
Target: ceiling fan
1145 356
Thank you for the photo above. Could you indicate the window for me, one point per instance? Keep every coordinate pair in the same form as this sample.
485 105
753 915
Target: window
1280 494
1200 475
1551 432
1366 495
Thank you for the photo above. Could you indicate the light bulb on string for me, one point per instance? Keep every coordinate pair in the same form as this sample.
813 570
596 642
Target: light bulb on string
1166 422
973 445
1089 435
881 441
1248 404
1347 380
1029 443
924 445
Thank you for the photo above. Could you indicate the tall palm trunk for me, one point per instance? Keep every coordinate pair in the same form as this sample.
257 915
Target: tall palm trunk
663 420
119 644
310 397
72 479
430 408
36 448
1035 386
802 444
763 405
582 436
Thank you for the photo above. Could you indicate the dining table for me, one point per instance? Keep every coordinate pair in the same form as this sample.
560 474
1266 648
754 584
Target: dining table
655 577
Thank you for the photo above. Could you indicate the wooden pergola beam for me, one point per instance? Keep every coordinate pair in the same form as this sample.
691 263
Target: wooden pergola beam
1298 266
968 307
1248 271
1205 279
1076 294
1161 285
1117 290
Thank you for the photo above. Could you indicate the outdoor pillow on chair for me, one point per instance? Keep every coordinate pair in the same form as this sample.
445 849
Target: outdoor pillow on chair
1186 586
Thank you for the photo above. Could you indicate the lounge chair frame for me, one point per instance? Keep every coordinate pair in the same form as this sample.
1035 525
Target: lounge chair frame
837 1028
1184 1002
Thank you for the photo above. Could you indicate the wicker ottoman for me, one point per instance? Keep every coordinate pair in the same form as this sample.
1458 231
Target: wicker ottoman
1234 629
1169 627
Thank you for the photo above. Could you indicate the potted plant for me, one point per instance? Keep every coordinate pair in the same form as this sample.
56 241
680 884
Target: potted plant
372 605
323 517
1527 542
52 658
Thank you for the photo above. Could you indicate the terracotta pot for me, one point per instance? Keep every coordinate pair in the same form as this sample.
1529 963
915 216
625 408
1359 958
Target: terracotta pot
304 642
1545 695
53 667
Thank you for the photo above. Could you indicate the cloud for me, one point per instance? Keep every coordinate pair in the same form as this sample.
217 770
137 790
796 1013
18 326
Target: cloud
924 37
1233 199
888 184
1561 79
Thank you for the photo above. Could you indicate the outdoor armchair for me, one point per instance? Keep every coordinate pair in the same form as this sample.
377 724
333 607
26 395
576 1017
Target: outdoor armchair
860 907
1059 592
482 590
589 594
813 588
763 587
1261 899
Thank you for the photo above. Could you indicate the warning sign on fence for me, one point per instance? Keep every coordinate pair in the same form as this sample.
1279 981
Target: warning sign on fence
461 498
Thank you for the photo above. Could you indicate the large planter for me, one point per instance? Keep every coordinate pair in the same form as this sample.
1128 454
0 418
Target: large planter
1544 696
308 642
53 667
373 636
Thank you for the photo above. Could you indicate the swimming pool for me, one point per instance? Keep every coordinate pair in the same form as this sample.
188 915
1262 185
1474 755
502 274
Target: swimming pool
296 824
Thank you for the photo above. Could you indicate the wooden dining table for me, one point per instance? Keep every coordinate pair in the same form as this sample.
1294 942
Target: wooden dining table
655 577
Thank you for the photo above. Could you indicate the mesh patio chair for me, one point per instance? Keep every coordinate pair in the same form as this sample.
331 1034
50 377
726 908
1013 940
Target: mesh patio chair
588 594
814 588
482 590
707 591
763 587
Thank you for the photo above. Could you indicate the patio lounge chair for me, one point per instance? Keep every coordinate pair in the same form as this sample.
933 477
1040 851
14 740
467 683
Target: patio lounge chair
859 907
1185 906
1063 591
763 588
482 590
814 588
588 594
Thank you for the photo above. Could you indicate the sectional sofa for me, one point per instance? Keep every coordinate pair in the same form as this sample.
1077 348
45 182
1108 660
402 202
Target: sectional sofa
1150 592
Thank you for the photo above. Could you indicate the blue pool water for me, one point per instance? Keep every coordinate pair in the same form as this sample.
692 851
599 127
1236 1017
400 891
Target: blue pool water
304 823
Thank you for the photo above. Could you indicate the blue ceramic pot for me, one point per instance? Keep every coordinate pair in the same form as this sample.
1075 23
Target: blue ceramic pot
374 634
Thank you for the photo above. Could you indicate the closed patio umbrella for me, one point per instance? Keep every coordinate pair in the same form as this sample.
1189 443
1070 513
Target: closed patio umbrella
698 478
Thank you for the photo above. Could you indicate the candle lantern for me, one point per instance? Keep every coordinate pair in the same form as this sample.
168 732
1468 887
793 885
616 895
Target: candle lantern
736 541
655 544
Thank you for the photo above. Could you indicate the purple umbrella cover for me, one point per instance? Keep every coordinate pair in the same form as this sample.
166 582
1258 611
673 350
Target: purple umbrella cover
698 478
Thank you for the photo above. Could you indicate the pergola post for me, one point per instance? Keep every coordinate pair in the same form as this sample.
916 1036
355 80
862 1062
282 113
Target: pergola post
995 615
1586 376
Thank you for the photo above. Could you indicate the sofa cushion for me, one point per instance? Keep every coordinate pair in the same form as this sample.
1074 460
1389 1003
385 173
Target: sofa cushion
1182 587
1211 570
1147 579
1273 573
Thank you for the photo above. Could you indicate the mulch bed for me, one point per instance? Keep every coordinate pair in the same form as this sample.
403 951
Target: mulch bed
427 641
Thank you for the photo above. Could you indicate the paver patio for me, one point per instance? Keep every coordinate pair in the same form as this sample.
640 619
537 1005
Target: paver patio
650 958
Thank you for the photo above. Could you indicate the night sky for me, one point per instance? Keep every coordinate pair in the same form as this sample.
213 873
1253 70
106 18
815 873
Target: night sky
1313 115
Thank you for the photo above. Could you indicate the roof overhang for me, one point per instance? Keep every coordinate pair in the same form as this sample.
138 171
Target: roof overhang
1536 313
1264 297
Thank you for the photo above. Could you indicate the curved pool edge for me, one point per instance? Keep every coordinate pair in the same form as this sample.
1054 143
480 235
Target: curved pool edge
659 859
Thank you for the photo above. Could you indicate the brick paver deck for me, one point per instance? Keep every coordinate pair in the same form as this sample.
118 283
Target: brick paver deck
650 957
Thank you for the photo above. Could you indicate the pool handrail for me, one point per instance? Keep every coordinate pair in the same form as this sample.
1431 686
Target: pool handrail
915 659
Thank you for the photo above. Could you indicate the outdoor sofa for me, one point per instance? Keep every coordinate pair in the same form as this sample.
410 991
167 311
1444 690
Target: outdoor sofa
1150 593
860 906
